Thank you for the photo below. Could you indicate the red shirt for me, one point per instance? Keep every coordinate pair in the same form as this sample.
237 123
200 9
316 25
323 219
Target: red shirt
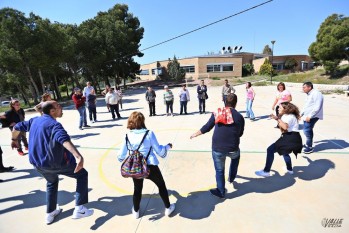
79 100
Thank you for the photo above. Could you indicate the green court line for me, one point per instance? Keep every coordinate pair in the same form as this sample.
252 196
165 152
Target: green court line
198 151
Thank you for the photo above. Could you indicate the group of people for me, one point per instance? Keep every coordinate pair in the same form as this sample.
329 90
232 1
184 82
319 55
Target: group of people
184 98
288 116
54 154
87 98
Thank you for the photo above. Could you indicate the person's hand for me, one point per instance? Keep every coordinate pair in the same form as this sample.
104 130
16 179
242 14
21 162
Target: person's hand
193 136
170 144
273 116
307 119
79 164
272 108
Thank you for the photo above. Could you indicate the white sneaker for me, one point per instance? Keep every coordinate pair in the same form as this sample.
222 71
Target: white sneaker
51 216
135 214
81 212
168 211
262 173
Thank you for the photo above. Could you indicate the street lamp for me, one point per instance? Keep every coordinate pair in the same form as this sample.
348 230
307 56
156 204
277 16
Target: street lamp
272 55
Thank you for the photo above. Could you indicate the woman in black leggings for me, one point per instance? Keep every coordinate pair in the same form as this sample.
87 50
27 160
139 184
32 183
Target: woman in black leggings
147 144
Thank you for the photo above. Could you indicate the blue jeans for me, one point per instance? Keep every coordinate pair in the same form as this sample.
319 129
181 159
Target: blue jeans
219 165
51 176
202 105
183 107
249 112
82 113
308 131
270 158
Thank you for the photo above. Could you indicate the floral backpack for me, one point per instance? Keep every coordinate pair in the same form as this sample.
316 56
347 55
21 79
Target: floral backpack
135 165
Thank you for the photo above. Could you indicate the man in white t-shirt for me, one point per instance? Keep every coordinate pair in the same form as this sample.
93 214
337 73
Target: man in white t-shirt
87 90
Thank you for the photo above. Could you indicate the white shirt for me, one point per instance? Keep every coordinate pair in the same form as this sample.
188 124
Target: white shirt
313 105
112 98
291 121
87 90
135 137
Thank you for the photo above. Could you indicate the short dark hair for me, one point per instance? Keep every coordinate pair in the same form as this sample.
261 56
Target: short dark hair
309 84
231 101
281 84
249 84
47 106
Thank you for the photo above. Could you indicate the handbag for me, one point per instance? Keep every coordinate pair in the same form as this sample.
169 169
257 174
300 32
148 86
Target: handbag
135 165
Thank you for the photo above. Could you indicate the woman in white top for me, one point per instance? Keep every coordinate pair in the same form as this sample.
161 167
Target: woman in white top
290 140
149 147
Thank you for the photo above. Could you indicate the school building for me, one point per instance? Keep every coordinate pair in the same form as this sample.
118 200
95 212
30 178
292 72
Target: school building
223 65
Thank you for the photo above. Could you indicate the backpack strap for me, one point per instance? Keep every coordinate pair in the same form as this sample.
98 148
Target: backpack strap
146 132
128 141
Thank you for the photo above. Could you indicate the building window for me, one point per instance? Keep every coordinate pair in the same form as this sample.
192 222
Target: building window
188 69
228 67
279 66
156 71
144 72
219 67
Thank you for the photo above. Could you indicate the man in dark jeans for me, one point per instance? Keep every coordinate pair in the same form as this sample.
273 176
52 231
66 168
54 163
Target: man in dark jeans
225 143
202 96
52 154
150 97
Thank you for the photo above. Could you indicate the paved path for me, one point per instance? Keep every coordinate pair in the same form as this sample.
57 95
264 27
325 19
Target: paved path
280 203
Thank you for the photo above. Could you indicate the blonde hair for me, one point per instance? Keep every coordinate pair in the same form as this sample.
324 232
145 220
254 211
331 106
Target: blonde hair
45 97
12 103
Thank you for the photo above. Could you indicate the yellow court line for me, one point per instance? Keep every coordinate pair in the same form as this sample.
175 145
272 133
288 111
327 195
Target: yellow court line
123 191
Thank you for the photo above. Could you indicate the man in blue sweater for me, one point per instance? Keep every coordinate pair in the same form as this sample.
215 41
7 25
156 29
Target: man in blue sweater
225 143
52 154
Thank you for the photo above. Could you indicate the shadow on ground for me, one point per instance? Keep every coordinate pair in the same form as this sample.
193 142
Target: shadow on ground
331 144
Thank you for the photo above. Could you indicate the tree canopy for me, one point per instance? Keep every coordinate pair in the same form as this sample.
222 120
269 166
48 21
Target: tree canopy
331 43
36 53
174 70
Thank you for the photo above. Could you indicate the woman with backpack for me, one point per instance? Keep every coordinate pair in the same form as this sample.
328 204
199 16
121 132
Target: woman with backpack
141 140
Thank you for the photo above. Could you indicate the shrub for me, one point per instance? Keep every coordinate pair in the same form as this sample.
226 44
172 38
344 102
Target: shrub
62 88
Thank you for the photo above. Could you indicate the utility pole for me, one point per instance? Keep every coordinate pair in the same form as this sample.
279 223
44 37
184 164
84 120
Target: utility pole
272 55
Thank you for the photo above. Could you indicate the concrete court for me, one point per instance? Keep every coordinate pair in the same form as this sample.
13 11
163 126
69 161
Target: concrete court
280 203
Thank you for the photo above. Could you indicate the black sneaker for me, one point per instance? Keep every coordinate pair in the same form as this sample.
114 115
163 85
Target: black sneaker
87 126
217 193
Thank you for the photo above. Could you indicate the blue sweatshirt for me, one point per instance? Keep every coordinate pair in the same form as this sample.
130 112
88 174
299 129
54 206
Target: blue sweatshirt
46 137
226 138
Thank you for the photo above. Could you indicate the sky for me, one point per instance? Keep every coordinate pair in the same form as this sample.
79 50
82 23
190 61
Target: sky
293 25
